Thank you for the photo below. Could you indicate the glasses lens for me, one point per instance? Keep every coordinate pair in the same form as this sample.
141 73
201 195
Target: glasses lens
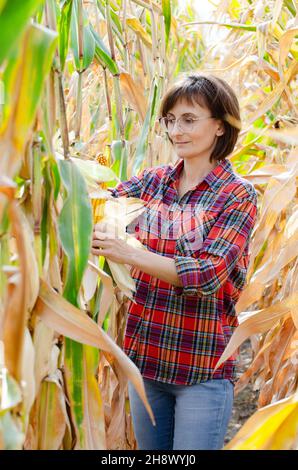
164 124
185 124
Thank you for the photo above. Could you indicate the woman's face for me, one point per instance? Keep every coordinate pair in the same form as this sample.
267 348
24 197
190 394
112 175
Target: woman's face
201 139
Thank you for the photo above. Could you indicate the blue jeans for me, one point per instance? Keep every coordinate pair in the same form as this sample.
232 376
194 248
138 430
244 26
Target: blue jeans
188 417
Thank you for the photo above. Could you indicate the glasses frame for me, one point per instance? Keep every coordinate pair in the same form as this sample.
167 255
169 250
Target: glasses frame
161 121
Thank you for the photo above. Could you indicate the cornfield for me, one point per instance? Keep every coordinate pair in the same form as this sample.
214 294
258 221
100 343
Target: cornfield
81 83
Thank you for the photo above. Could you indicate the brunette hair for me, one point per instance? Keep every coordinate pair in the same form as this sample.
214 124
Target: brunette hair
215 94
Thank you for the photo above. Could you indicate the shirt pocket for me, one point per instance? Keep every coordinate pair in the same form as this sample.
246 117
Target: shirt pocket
195 232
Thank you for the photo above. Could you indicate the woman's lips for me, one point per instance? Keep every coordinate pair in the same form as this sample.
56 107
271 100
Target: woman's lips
181 143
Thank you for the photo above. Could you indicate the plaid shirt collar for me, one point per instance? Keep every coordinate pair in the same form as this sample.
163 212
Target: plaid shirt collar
215 179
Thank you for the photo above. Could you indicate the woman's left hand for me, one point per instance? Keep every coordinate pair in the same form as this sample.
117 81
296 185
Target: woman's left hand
105 244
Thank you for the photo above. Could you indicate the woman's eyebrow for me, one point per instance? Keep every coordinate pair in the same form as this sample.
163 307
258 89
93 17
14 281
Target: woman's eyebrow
184 114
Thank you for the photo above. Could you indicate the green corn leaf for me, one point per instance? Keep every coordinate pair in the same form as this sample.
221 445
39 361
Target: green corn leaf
2 4
81 362
24 79
166 10
143 140
117 27
102 54
64 29
13 20
244 27
120 156
75 227
55 177
81 63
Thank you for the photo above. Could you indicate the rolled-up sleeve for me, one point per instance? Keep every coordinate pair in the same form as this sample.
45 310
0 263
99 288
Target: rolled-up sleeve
207 270
131 187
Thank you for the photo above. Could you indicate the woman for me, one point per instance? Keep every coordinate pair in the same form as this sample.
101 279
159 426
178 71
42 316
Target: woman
190 277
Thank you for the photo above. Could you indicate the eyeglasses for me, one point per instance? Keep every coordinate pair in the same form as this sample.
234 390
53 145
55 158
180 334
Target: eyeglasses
184 123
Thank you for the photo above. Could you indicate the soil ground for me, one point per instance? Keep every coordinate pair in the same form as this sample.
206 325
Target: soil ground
245 403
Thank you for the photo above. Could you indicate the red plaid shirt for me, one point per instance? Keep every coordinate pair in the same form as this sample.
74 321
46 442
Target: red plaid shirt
177 334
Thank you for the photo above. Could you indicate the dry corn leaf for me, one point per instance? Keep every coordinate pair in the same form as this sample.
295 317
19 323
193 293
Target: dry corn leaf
134 94
69 321
28 376
94 424
43 340
285 45
257 322
23 292
279 193
50 426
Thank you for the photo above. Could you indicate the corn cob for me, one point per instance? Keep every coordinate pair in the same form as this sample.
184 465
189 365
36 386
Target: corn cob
98 208
98 204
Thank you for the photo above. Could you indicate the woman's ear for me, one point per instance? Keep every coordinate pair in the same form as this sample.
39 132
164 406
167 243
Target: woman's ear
221 130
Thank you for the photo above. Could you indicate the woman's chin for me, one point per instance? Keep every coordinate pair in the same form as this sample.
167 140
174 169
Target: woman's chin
183 155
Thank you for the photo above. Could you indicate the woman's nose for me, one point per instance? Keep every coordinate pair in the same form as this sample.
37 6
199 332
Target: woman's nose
176 129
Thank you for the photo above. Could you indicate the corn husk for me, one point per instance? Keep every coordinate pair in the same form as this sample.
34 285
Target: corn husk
117 213
94 173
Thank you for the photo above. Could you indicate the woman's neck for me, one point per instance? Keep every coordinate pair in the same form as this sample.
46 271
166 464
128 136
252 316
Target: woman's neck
194 171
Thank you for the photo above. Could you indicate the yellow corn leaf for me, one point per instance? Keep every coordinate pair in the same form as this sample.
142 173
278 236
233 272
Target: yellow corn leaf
69 321
93 421
273 427
138 28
